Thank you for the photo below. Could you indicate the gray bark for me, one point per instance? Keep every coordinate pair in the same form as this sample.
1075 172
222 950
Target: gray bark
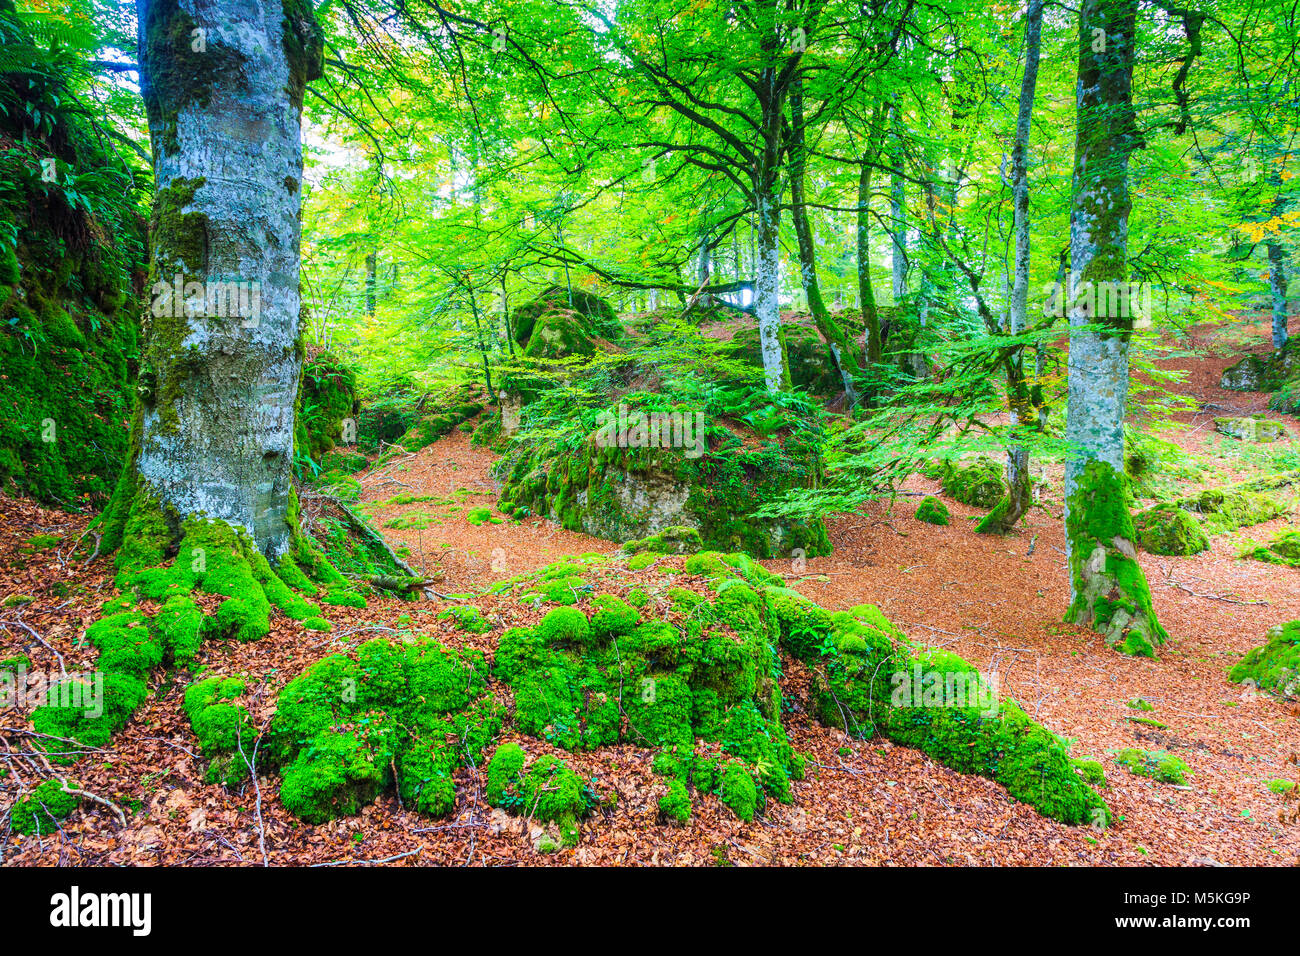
217 431
1277 285
1018 456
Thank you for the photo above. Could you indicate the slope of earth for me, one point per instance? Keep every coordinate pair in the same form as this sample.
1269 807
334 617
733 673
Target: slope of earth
995 601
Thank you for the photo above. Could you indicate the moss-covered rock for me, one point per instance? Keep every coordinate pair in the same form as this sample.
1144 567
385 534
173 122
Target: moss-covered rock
1273 667
1254 429
812 367
439 416
672 540
979 484
1169 530
546 790
932 511
637 492
1154 764
561 322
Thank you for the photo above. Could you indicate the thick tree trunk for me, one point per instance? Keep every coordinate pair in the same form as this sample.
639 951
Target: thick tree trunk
222 84
1108 588
1277 285
1019 492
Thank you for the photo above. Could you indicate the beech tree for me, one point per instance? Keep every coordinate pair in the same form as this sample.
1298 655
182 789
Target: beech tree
1108 588
223 87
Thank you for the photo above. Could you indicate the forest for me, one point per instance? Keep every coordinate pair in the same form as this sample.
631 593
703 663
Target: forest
633 433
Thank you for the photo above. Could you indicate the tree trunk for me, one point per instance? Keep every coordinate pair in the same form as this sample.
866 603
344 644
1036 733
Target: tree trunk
839 342
1019 492
372 263
1277 285
897 212
214 429
766 177
866 294
1108 588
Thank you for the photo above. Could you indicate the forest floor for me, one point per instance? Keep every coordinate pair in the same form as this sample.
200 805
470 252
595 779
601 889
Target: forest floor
996 601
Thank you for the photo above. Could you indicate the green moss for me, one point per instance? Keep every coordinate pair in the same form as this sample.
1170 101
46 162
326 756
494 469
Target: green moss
1168 529
38 812
478 516
343 725
547 790
1273 667
223 728
1109 589
467 618
932 511
1157 765
675 805
672 540
1280 786
979 484
1091 771
738 791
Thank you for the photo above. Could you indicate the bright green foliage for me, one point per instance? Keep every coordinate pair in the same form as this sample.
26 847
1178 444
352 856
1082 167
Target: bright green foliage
1275 665
979 485
1168 529
1110 591
932 511
343 725
224 731
546 790
1158 765
38 812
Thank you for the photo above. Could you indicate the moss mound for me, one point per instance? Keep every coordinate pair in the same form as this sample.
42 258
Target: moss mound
932 511
979 485
1168 529
673 540
545 789
1283 549
1154 764
40 811
1274 666
697 683
393 715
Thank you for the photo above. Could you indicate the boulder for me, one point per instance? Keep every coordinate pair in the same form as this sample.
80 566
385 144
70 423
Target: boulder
1250 429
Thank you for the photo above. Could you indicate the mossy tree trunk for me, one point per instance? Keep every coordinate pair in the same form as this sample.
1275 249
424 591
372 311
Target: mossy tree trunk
897 211
839 342
223 84
1108 588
